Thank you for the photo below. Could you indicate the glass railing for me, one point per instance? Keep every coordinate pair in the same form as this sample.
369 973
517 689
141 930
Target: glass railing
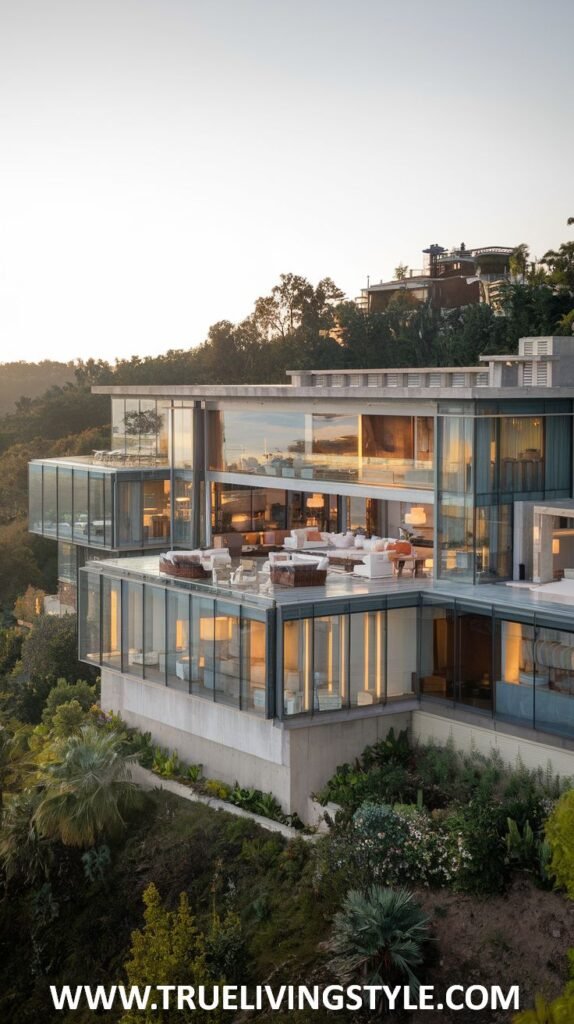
383 472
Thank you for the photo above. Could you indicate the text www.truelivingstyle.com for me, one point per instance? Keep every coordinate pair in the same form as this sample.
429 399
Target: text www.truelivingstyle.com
285 997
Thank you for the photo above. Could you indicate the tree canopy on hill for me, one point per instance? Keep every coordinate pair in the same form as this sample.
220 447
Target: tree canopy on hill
28 380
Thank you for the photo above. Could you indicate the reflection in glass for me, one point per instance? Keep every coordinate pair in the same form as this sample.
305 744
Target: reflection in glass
154 634
178 652
475 657
367 658
89 622
253 667
297 666
111 623
401 651
437 652
80 527
50 500
227 654
329 669
132 628
35 498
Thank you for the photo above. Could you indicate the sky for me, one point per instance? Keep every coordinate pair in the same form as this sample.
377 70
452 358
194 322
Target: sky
162 162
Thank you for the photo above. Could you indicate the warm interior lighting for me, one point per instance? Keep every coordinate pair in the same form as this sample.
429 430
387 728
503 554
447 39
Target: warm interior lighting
417 516
315 501
330 657
113 620
179 635
183 499
307 656
343 661
214 629
536 534
366 641
555 546
379 679
239 518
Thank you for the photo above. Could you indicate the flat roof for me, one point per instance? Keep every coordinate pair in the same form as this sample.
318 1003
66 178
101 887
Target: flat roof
292 393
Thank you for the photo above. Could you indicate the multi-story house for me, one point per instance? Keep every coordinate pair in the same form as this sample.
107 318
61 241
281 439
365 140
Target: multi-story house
275 685
449 279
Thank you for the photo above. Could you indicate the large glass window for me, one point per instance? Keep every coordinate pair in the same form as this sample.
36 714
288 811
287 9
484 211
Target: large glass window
64 502
475 659
207 637
536 683
133 628
297 666
437 652
111 623
89 620
67 562
329 668
183 438
156 519
51 500
227 654
253 666
256 442
129 512
97 511
81 506
494 542
154 634
35 498
367 658
401 651
521 454
183 487
118 424
178 647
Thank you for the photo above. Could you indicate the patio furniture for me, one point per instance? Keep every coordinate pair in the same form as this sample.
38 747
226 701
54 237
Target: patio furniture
299 574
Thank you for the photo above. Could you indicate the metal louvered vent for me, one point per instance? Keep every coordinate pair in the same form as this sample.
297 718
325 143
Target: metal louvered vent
434 380
413 380
528 348
458 380
527 374
542 373
392 380
338 380
373 380
356 380
482 379
319 380
543 346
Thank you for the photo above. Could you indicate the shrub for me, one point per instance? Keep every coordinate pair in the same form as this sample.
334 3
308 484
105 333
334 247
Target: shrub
64 692
216 788
560 837
401 845
379 936
479 828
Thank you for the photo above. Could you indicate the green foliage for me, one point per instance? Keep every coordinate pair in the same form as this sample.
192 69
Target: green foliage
96 863
225 949
81 692
169 950
68 719
167 764
404 844
217 789
379 936
560 838
26 855
86 789
11 641
479 828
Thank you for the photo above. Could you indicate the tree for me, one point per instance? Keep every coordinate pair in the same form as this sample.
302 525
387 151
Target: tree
379 936
169 950
401 272
87 788
64 692
560 836
518 262
26 856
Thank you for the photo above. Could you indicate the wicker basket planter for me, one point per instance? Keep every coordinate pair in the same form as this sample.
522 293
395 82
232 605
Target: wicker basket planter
295 574
184 569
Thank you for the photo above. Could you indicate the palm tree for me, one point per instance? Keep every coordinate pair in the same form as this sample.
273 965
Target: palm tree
380 935
87 786
25 855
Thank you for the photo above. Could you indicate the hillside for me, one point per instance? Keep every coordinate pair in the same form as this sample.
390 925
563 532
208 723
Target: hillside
29 380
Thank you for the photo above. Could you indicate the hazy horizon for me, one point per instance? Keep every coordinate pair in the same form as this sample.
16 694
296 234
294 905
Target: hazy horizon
164 161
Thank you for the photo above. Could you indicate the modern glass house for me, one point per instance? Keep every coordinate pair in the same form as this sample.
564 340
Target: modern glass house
275 685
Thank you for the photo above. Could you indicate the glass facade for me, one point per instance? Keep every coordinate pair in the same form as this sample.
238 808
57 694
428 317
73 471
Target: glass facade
256 510
99 509
197 644
487 459
535 683
140 428
392 451
350 659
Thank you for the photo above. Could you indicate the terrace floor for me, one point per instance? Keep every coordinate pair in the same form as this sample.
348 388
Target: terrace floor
553 599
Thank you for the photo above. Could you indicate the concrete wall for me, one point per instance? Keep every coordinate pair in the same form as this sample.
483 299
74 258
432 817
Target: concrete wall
427 726
291 761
